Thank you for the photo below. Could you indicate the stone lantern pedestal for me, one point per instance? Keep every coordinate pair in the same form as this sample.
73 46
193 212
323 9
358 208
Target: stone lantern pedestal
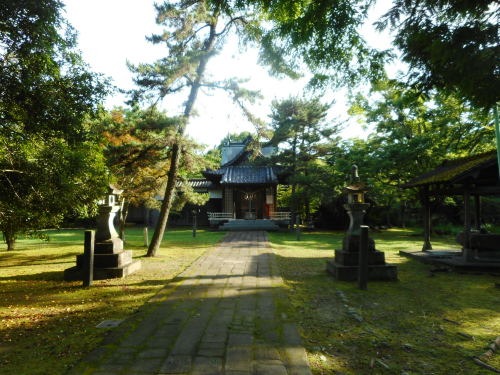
110 260
345 265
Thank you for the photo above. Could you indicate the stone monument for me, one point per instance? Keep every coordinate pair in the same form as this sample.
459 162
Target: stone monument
346 263
110 260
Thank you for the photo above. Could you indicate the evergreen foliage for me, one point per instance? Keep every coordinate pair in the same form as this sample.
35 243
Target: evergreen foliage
50 164
303 136
194 32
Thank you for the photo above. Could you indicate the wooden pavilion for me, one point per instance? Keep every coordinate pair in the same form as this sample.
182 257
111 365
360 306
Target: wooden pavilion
471 177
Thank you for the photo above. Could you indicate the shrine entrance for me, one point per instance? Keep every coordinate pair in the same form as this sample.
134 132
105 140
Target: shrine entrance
249 204
253 203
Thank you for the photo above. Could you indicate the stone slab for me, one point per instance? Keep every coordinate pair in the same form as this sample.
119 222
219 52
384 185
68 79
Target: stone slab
75 273
347 258
385 272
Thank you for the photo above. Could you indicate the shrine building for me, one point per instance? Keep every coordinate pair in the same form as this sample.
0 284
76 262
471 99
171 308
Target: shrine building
243 195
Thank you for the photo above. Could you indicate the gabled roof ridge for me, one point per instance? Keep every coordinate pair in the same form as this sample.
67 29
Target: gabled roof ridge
239 154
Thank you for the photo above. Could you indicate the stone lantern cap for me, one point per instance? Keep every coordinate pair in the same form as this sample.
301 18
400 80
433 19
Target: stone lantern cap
355 186
112 189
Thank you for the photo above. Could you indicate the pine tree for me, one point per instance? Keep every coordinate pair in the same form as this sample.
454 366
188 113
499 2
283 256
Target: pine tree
195 31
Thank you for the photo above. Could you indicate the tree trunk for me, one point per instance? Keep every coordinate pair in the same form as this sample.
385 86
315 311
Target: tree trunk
10 240
308 212
403 213
176 148
293 205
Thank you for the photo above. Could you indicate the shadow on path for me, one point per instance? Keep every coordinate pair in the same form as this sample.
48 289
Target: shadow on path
220 316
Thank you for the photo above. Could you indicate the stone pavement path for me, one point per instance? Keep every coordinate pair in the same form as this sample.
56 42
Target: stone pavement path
219 316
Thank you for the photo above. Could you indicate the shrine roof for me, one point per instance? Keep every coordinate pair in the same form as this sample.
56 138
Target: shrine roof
242 155
244 175
455 170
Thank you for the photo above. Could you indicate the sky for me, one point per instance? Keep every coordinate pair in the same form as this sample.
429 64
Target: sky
115 34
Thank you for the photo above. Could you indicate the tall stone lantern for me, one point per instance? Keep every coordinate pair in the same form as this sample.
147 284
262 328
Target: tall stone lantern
108 208
110 260
346 262
356 208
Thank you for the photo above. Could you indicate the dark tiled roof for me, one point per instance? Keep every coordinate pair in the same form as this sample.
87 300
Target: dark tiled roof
451 171
241 175
249 175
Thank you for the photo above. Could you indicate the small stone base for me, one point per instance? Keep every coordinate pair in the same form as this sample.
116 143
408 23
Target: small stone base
348 258
76 273
385 272
108 260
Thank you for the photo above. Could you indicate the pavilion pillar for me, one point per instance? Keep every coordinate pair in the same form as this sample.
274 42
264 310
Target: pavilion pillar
426 208
468 253
477 212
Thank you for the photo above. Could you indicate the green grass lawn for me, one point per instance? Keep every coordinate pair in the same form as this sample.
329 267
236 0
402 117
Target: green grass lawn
48 324
421 324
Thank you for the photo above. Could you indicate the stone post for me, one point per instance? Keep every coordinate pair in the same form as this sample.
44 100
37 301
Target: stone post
88 258
363 258
195 223
146 237
297 228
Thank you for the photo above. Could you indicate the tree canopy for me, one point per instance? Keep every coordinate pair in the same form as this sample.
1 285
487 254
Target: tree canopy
50 163
451 45
194 32
303 137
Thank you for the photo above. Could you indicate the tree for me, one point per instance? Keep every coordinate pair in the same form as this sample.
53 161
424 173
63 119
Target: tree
50 163
413 133
302 134
322 35
137 149
195 30
451 45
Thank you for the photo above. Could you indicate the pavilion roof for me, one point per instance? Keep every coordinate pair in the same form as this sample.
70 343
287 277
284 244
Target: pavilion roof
455 170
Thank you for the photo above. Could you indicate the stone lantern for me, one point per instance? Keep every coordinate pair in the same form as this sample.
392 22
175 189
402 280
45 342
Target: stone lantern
356 206
110 260
108 208
346 263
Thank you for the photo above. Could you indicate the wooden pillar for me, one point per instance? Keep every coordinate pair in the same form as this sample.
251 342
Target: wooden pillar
468 253
426 210
228 201
477 212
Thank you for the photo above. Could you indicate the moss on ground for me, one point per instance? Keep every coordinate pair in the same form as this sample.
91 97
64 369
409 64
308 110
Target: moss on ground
425 323
48 324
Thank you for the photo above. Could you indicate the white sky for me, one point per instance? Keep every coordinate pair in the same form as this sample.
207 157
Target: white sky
113 31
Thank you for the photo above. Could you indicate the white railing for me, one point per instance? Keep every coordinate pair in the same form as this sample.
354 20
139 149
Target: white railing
220 215
279 215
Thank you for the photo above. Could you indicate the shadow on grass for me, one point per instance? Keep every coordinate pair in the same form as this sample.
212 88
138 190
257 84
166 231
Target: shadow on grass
46 276
415 311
